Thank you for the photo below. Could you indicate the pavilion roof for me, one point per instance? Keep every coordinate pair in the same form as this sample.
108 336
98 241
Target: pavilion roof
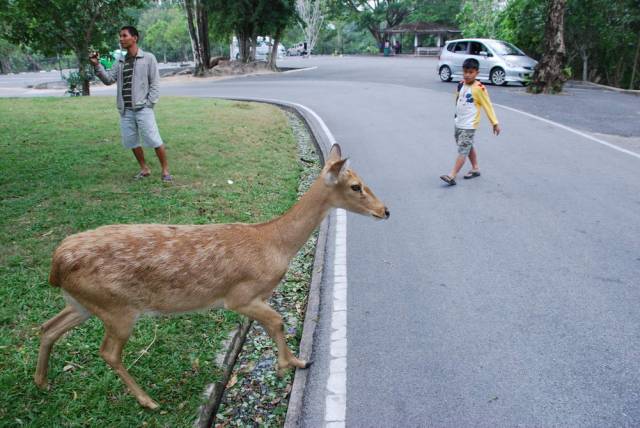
422 28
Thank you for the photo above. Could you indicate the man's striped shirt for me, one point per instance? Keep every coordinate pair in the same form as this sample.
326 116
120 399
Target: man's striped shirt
127 76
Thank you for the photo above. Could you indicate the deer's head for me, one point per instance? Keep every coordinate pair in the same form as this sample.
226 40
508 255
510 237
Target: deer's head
348 191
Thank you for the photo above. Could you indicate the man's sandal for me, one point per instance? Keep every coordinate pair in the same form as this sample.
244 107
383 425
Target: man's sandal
450 181
141 175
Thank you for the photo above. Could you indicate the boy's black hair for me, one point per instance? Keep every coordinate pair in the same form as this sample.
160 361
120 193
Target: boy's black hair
133 31
470 64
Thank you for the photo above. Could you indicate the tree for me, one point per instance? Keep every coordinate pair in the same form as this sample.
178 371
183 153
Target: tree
311 16
198 23
73 26
248 19
378 15
164 32
275 21
479 18
441 11
549 74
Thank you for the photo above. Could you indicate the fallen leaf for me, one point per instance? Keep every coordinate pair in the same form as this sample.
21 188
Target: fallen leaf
68 367
232 381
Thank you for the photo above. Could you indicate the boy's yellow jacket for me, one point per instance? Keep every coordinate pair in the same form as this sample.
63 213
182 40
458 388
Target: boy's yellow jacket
469 100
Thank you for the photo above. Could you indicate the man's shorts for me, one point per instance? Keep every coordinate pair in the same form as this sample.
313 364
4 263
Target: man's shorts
137 124
464 140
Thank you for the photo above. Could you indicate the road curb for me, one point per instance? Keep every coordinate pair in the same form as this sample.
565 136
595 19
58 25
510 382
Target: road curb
214 393
611 88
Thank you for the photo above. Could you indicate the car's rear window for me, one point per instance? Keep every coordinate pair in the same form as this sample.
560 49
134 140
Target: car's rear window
450 47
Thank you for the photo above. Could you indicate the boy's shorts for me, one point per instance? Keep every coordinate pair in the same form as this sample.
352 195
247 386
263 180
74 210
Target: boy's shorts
464 140
139 123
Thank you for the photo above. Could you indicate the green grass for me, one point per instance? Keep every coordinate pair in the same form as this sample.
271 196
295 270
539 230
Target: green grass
65 171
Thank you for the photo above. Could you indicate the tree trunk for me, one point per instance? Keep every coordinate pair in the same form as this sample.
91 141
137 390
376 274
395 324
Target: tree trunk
32 64
5 65
548 76
82 71
203 34
635 64
379 36
198 23
254 45
274 50
585 64
243 46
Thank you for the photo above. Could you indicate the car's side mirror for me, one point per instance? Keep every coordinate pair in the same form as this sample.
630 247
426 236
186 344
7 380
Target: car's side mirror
483 53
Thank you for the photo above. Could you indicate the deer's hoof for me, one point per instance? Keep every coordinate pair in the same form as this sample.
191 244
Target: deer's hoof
149 404
42 383
307 364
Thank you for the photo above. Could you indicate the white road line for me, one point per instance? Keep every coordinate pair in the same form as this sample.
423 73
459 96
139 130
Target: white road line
336 392
336 398
298 70
575 131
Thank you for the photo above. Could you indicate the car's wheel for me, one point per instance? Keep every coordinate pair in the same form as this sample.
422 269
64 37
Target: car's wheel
498 76
445 73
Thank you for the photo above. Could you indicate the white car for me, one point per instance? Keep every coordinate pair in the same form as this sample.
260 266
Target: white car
500 61
297 49
263 49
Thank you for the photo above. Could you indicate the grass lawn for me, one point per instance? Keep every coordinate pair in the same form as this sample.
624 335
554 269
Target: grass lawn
65 171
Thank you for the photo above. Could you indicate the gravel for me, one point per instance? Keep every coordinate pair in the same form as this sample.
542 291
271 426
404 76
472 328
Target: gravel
255 395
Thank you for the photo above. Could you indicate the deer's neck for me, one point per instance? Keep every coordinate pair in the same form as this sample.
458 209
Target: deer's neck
292 229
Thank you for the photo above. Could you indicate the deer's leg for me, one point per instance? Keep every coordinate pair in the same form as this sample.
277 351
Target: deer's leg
51 331
117 332
272 322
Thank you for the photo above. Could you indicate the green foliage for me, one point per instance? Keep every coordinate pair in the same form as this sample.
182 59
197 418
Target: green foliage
478 18
248 19
70 26
164 32
522 23
340 37
604 34
441 11
379 15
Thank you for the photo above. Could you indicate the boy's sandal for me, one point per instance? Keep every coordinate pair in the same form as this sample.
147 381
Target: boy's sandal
167 178
141 175
472 174
450 181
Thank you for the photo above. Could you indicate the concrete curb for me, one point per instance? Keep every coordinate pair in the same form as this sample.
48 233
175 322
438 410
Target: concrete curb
611 88
214 392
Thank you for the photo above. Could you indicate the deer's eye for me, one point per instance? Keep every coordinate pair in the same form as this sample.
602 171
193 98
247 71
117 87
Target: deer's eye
356 188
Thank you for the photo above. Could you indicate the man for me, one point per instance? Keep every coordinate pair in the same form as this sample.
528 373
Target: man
138 91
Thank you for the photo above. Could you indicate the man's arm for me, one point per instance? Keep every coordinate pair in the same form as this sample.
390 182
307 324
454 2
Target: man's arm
108 77
154 82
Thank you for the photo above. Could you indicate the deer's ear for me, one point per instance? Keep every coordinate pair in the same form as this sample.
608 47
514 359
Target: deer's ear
335 153
334 170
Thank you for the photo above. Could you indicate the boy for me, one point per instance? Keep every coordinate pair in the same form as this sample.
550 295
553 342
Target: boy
470 97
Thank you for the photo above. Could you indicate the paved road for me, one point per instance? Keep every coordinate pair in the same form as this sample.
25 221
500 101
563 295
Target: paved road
510 300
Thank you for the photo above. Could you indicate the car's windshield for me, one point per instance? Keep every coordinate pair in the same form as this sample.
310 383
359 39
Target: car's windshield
504 48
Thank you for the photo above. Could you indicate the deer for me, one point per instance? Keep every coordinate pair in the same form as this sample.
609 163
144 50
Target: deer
120 272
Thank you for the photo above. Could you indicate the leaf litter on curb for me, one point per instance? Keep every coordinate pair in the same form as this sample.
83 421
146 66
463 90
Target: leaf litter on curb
255 395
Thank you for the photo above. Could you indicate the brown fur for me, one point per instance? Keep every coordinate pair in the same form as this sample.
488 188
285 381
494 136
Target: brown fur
119 272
